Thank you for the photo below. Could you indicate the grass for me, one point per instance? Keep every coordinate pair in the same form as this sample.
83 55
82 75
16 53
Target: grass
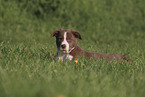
28 67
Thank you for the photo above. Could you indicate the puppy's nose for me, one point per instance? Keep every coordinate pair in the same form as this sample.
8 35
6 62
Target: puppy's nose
63 45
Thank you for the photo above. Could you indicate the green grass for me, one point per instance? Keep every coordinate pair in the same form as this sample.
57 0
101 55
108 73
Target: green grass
28 67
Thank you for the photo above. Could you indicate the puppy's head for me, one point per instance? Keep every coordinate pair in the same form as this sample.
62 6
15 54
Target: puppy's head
66 39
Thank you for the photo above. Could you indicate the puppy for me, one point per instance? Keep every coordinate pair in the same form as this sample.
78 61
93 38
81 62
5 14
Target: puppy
67 48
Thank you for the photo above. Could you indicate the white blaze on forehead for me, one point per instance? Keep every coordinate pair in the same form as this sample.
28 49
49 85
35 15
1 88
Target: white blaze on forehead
65 35
65 42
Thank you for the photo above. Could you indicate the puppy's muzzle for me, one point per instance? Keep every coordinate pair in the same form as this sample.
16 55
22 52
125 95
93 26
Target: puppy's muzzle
63 46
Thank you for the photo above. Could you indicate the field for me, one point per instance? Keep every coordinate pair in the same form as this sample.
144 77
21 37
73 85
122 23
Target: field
28 67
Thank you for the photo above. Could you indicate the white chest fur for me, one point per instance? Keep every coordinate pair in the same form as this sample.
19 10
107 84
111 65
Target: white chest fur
63 57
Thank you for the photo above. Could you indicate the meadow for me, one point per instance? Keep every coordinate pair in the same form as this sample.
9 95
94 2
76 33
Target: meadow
28 67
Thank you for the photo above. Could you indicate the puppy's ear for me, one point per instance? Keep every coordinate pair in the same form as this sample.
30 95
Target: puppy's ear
55 33
76 34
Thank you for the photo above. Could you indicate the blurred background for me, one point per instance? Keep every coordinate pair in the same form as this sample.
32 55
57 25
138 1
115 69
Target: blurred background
115 23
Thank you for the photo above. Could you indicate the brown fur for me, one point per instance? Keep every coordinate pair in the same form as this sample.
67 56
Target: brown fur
78 52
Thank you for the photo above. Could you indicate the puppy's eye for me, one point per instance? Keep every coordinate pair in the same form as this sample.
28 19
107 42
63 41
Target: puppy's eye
59 39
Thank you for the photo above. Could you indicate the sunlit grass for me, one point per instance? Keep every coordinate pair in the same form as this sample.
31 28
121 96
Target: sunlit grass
29 68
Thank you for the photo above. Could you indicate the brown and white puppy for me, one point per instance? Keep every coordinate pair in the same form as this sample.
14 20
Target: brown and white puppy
67 48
